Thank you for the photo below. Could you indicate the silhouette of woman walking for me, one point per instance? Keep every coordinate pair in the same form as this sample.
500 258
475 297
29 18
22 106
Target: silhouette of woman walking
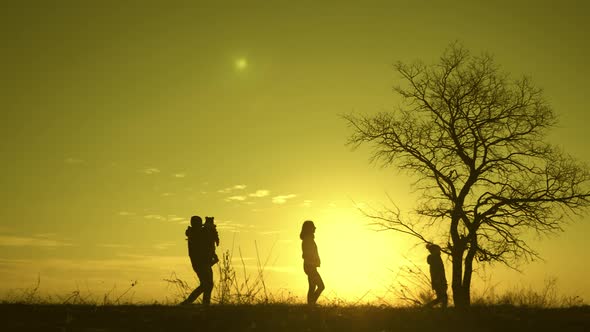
311 262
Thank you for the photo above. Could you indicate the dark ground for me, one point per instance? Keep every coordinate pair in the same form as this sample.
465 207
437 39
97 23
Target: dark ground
16 317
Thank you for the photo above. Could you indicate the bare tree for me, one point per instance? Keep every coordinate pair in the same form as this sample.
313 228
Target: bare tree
474 140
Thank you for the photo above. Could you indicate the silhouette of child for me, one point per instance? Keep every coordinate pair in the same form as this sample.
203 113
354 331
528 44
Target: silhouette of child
212 235
437 276
311 262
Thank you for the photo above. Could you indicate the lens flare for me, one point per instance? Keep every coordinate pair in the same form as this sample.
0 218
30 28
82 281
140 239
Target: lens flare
241 64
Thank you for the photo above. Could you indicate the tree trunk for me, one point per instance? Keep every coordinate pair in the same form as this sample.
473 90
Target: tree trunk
457 283
462 272
468 272
461 297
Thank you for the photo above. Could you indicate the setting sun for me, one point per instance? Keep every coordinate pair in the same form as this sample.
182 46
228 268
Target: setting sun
356 259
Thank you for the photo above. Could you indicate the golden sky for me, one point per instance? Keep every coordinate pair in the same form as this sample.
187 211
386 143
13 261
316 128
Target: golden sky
120 121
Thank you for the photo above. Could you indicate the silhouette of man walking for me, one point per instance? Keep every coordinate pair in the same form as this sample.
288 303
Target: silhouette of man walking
199 244
437 276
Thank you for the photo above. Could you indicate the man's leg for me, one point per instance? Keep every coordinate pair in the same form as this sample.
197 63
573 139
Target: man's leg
193 296
199 290
207 283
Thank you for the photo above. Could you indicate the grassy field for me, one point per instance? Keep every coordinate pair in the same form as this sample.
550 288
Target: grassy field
245 305
36 317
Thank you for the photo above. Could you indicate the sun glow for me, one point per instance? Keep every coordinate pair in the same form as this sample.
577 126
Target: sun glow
357 261
241 64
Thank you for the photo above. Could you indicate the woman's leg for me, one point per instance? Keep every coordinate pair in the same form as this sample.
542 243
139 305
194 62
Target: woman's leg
310 289
319 286
309 271
315 282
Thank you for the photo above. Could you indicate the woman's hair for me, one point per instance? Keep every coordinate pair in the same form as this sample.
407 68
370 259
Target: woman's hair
307 229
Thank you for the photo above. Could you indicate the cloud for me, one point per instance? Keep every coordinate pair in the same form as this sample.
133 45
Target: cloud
179 175
236 198
167 194
31 241
232 227
260 193
164 245
306 203
121 262
150 170
241 198
154 217
230 189
126 213
113 245
269 232
44 235
282 199
169 218
73 161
